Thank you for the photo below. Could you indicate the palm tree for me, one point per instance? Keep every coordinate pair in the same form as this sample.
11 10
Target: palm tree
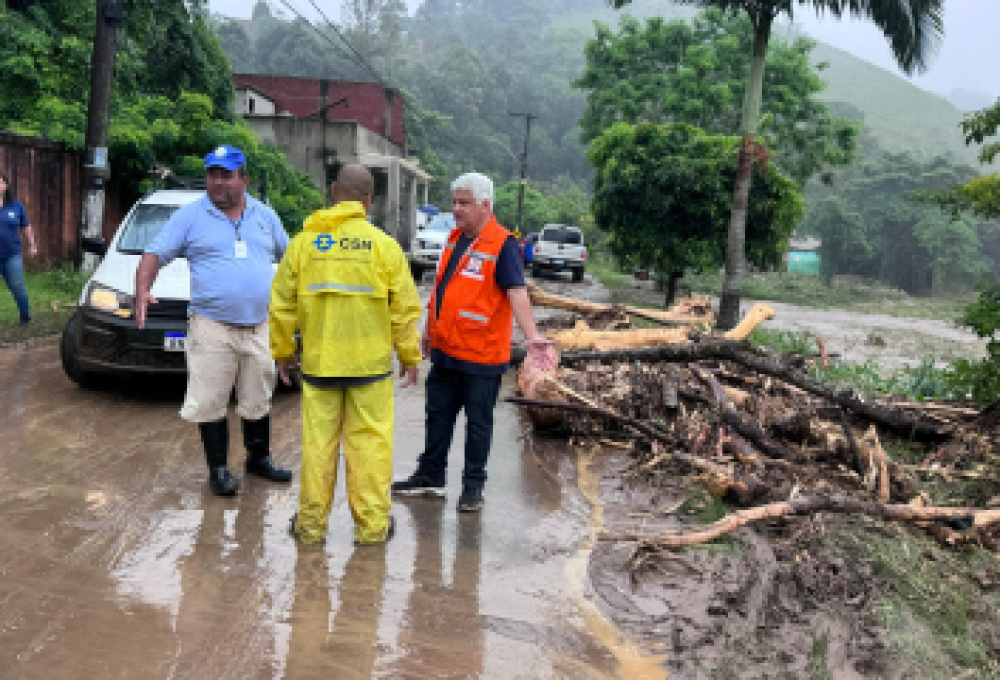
913 29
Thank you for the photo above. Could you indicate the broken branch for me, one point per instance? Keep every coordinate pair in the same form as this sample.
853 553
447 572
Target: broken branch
807 506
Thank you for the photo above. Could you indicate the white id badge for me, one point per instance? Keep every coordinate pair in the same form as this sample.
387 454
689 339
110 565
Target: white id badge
241 250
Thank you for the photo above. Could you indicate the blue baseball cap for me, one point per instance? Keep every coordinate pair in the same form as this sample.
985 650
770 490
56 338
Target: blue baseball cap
228 157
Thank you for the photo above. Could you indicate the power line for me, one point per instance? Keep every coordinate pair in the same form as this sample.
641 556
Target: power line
360 59
340 50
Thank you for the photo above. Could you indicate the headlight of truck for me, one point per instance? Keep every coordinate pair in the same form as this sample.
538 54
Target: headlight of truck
110 300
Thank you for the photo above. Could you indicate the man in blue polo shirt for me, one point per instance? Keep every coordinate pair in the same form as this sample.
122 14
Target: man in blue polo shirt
231 242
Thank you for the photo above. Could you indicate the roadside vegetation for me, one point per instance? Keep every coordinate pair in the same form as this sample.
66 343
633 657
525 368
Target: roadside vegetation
53 294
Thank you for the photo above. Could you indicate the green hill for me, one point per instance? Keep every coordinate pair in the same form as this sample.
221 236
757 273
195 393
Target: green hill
896 113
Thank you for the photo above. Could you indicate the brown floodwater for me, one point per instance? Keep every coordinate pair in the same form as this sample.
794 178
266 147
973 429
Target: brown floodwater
117 562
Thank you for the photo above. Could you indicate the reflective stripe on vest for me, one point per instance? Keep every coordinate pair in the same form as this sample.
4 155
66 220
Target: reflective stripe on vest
482 256
475 317
342 287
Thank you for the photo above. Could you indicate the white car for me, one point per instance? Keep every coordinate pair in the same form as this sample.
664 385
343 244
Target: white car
102 336
428 243
560 248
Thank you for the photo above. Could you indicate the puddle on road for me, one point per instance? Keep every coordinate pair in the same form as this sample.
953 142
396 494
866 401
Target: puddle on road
117 561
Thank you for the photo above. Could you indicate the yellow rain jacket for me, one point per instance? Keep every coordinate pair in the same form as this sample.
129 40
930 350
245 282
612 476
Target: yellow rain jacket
347 288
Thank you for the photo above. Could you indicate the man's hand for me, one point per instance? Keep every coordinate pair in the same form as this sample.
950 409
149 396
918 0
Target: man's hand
32 250
410 375
142 300
285 366
538 350
145 274
425 344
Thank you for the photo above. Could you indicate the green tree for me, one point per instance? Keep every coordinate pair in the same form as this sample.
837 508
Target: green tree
536 212
980 195
871 226
374 27
912 28
177 133
696 73
663 191
172 99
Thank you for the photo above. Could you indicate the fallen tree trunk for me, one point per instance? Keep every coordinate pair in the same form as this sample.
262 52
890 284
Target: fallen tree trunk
900 422
675 315
732 419
806 506
581 336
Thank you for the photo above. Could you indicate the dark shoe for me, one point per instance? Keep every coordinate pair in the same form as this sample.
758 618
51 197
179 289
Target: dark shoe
471 499
215 437
257 439
25 320
418 485
222 482
388 535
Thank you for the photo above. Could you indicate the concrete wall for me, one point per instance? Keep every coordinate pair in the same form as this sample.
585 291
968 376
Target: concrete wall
302 141
371 144
370 104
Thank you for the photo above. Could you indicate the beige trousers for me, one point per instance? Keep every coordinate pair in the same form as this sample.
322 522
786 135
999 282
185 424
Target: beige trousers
220 355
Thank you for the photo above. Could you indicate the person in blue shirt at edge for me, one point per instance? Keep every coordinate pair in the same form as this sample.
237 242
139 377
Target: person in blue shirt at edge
478 293
13 221
231 241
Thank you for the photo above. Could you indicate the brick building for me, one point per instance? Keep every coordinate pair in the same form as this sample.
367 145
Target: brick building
363 124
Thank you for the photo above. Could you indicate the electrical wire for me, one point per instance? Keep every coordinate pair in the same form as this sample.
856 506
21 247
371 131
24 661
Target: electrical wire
340 50
359 59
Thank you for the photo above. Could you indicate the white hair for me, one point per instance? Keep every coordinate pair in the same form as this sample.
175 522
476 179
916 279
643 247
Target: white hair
480 185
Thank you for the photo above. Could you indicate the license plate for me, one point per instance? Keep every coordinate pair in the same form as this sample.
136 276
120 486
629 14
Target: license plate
174 342
557 261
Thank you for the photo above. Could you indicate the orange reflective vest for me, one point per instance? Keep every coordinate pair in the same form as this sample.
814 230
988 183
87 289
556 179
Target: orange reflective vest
476 320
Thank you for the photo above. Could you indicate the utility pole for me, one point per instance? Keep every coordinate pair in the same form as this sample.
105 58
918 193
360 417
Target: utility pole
528 117
96 169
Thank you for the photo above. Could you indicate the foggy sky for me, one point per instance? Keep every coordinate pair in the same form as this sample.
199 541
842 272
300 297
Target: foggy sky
967 59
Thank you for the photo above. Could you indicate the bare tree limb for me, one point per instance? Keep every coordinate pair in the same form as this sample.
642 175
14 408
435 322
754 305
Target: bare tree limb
806 506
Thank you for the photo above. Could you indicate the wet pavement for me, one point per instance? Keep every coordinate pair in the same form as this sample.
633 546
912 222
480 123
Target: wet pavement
117 561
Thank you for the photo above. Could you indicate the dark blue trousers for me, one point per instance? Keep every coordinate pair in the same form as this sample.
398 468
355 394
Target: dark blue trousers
448 392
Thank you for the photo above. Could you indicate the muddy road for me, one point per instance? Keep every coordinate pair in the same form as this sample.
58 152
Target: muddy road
891 342
118 562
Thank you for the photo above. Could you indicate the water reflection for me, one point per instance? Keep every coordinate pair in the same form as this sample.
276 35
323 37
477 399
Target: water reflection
344 647
220 587
442 631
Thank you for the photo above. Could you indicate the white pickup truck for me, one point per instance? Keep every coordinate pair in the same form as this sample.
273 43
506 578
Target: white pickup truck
560 248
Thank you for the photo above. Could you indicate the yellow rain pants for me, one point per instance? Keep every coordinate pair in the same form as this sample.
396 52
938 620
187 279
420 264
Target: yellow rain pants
363 417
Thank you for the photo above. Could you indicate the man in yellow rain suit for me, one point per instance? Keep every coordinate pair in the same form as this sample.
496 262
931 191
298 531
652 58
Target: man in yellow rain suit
347 288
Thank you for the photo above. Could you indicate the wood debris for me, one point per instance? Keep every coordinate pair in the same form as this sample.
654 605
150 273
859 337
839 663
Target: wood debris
755 428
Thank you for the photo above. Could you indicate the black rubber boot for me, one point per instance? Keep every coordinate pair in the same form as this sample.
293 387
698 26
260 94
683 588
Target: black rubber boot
257 439
215 437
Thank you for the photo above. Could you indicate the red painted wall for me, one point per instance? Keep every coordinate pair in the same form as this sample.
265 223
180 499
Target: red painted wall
302 97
